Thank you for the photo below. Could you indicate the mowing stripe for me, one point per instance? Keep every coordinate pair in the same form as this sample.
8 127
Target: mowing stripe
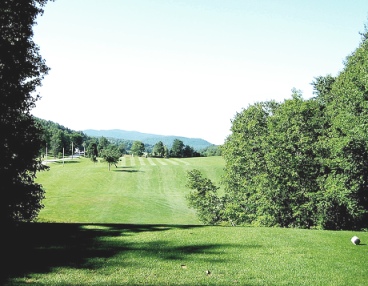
172 162
181 161
131 161
161 161
151 162
141 161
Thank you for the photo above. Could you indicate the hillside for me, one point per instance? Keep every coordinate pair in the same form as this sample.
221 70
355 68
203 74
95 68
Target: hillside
146 138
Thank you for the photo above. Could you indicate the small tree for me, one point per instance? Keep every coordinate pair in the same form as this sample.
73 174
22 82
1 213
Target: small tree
111 155
204 198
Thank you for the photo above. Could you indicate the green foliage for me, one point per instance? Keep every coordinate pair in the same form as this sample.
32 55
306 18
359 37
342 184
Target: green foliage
57 142
159 149
102 144
122 147
92 151
293 163
204 198
57 137
213 150
21 72
346 201
246 170
302 163
177 149
138 148
111 155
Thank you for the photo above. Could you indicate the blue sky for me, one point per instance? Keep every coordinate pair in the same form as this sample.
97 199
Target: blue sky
185 68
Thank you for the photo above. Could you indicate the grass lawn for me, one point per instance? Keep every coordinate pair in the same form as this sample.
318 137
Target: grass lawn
131 226
117 254
139 190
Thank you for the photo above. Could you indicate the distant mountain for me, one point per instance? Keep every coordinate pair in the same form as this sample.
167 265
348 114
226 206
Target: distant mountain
146 138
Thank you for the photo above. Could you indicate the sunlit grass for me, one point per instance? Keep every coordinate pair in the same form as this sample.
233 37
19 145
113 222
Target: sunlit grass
115 254
81 191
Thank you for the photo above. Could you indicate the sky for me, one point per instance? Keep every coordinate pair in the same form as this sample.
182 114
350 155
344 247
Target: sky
185 67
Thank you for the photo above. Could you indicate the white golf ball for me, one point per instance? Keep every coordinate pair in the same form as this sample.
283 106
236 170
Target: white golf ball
355 240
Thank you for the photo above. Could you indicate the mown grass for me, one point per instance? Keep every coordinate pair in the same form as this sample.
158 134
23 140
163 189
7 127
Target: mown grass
120 228
134 192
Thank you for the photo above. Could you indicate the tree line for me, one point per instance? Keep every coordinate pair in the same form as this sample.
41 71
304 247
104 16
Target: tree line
59 140
298 163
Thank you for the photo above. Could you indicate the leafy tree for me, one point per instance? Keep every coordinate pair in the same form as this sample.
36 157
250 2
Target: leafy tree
274 163
92 151
177 149
299 163
111 155
204 198
213 150
292 157
58 142
245 166
166 152
345 201
122 148
77 139
159 149
188 151
322 86
304 163
21 72
102 143
137 148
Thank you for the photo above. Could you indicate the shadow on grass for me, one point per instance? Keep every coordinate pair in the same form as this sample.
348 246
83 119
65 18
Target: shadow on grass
127 170
40 247
66 162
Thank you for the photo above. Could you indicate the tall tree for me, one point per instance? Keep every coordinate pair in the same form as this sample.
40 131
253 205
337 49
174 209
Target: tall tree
292 157
137 148
92 151
102 143
345 204
21 72
246 170
57 142
177 149
159 149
